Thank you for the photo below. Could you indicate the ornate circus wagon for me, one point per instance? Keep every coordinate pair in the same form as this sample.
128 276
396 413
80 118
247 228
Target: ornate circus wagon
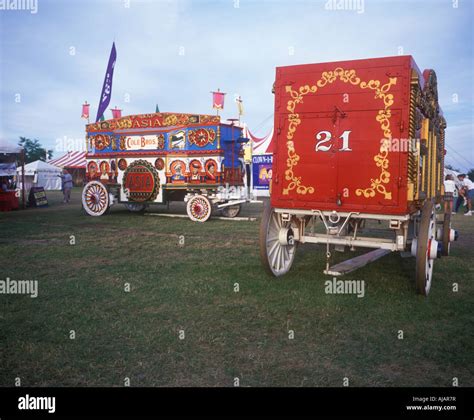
357 141
140 160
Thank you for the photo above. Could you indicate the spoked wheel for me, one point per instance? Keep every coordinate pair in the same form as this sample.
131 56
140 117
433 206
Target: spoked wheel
199 208
426 249
231 211
135 207
95 198
277 244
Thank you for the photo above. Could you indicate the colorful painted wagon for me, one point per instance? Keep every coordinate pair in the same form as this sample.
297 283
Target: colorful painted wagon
139 160
357 141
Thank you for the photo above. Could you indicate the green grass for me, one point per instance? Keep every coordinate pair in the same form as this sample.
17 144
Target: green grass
227 334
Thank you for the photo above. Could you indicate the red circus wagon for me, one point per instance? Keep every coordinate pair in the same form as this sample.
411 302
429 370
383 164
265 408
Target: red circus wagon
139 160
357 141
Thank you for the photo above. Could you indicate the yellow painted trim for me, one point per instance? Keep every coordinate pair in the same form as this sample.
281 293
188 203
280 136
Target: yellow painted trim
377 185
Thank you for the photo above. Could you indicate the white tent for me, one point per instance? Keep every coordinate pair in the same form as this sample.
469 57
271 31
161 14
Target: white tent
8 169
42 174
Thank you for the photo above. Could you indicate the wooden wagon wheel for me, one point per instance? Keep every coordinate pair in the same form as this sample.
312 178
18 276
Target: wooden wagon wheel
135 207
199 208
277 246
426 249
231 211
95 198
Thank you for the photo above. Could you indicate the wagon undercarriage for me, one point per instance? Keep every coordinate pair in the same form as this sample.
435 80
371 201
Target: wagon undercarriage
421 235
97 199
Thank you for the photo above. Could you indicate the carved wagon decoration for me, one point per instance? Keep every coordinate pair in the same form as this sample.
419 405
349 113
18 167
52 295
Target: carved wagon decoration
140 160
357 141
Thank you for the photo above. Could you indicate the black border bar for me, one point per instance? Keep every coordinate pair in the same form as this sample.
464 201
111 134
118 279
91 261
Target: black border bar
378 402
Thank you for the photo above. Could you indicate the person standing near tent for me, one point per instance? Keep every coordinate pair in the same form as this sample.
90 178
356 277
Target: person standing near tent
449 188
66 179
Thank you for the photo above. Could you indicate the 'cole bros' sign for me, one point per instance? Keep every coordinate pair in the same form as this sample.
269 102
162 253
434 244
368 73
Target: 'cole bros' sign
150 142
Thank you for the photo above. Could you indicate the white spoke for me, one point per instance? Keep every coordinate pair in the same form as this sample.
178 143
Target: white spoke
287 254
281 258
272 249
275 259
272 238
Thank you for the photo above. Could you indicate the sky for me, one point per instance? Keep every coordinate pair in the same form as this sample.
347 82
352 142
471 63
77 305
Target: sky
53 57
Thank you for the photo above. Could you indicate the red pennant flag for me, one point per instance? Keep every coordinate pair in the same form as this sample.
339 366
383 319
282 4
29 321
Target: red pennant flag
218 99
116 113
85 111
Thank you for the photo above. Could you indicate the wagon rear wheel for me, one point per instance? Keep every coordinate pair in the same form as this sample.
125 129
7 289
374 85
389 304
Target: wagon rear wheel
199 208
231 211
95 198
425 247
277 246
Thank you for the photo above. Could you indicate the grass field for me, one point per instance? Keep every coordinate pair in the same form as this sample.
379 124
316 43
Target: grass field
227 334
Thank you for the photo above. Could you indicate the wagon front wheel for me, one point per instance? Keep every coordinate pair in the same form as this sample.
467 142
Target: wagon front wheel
199 208
277 244
426 249
95 198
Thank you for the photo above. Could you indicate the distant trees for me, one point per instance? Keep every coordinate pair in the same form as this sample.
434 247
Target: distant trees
452 168
34 150
470 174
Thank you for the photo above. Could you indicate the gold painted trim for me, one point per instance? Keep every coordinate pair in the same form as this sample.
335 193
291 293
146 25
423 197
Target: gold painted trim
383 117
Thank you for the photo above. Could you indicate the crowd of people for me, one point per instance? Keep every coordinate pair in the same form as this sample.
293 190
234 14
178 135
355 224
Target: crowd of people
465 193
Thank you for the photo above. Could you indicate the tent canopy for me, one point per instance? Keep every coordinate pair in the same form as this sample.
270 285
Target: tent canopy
70 160
8 169
260 145
43 174
40 166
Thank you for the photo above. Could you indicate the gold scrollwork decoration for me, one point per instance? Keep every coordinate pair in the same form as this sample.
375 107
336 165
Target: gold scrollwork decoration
383 118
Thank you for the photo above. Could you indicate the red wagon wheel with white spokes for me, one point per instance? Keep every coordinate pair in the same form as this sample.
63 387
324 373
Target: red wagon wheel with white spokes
199 208
95 198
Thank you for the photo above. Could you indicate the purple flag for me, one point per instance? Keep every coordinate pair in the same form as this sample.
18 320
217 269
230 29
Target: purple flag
107 88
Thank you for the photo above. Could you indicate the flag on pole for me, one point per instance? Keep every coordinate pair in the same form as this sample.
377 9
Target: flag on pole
218 100
240 105
157 109
107 87
85 111
116 113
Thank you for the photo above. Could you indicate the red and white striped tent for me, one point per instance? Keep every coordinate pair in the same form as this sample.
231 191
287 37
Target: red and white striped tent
70 160
75 163
260 145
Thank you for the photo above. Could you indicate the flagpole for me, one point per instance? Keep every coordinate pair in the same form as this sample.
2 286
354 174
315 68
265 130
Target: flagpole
239 100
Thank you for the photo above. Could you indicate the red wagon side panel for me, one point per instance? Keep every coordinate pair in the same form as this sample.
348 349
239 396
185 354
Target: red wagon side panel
335 125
